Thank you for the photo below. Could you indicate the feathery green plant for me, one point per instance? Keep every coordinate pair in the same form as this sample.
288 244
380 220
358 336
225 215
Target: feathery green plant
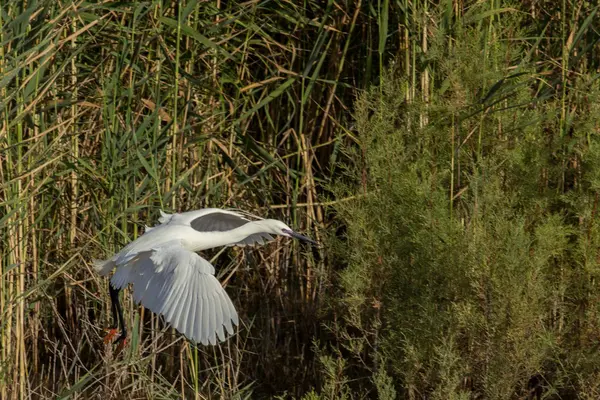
466 271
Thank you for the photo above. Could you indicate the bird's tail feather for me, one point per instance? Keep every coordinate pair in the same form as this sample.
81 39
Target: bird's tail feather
103 267
164 217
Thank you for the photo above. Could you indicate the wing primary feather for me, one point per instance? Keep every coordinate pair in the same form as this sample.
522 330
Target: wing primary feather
177 287
178 317
213 325
193 311
218 309
226 319
138 293
172 302
205 314
149 301
200 323
166 289
199 310
159 303
167 309
154 299
188 301
226 312
220 333
232 312
181 304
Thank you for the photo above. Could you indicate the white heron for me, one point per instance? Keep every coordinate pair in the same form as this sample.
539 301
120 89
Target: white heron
169 278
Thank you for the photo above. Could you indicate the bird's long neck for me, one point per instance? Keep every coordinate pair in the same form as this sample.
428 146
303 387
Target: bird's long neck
248 229
218 239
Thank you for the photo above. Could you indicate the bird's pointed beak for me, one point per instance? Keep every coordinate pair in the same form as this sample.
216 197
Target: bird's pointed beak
300 237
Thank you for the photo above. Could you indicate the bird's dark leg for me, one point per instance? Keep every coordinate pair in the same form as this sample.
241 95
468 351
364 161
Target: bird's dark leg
114 299
117 312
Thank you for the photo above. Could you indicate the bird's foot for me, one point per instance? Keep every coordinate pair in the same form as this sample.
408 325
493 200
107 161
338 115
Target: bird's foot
110 335
120 341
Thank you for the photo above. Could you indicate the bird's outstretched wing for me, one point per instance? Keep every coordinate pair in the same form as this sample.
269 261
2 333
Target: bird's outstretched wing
180 285
218 221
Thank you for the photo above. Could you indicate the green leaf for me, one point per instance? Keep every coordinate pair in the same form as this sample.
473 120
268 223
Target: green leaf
269 98
188 31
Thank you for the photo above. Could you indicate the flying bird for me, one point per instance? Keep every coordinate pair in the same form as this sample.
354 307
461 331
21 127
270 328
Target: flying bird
170 279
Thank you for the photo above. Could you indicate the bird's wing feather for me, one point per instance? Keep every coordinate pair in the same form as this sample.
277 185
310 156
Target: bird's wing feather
180 285
218 222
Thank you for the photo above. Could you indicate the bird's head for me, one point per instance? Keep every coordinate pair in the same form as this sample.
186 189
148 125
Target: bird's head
279 228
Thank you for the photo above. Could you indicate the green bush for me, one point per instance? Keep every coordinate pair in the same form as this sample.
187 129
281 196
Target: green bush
473 249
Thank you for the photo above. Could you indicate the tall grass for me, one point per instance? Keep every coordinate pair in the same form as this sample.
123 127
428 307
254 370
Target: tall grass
112 111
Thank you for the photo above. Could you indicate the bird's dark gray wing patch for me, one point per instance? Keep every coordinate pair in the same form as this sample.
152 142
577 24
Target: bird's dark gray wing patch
256 238
218 222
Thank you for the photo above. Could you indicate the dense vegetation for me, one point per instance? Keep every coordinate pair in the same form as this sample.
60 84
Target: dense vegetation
447 154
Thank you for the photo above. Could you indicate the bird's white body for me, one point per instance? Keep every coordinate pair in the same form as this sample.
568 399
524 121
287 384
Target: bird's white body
169 278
